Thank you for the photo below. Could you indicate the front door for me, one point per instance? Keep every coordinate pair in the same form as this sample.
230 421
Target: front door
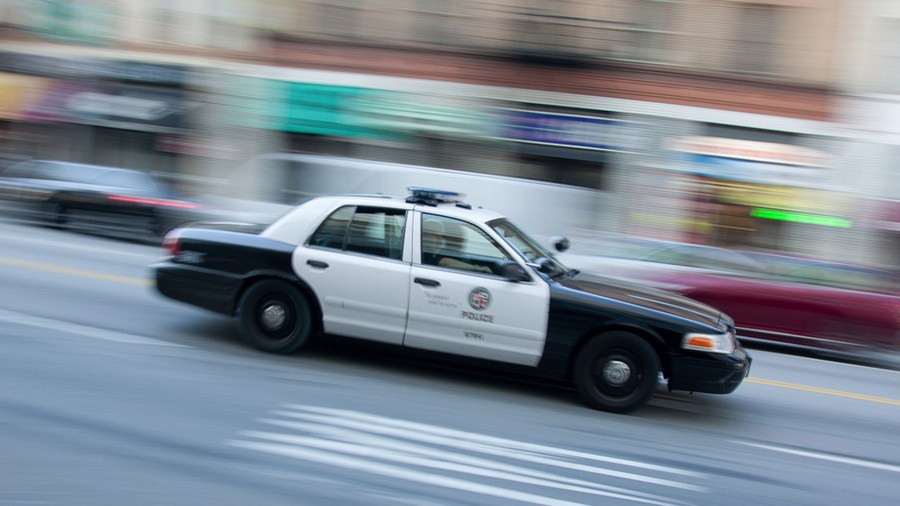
460 306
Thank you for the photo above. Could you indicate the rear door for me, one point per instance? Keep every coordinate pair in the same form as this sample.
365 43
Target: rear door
466 311
355 264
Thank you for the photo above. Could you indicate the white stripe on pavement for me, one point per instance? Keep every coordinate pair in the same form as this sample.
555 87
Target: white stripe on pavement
527 452
81 330
453 459
825 456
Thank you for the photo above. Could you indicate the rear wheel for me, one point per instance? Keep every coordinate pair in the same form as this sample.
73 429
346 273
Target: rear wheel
617 372
58 216
274 316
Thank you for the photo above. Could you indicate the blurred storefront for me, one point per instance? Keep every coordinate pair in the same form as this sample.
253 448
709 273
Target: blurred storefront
888 226
353 121
746 193
17 94
566 148
102 111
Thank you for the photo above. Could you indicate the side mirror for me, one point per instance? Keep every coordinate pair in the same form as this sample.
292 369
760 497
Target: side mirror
511 271
560 243
545 265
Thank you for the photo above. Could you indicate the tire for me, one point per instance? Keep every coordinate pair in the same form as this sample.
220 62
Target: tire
274 316
58 216
617 372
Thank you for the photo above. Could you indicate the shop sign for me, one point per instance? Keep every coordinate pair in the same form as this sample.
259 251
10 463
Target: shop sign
327 110
103 104
750 161
583 132
139 107
752 172
420 114
300 107
739 149
115 106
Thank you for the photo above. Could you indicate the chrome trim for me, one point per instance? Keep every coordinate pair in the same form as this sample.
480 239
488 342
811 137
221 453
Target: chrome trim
785 334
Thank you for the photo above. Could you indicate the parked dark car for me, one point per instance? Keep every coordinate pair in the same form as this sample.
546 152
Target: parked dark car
107 200
779 299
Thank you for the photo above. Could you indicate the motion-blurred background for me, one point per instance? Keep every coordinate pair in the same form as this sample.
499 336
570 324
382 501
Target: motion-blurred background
751 124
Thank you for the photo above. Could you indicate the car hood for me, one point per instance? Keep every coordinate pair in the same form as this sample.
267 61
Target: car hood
654 299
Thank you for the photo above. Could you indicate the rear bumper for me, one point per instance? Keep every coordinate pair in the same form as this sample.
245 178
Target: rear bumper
709 373
198 287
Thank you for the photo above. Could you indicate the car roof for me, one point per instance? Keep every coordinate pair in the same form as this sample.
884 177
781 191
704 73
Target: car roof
69 171
451 209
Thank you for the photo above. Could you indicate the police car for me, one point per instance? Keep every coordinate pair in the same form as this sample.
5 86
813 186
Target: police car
431 272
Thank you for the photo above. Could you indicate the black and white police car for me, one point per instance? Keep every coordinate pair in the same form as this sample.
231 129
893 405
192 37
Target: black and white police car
430 272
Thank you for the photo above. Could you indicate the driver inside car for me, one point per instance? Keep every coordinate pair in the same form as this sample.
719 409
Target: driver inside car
442 244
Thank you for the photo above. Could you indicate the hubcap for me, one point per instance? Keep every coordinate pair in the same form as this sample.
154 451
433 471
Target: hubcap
616 372
273 316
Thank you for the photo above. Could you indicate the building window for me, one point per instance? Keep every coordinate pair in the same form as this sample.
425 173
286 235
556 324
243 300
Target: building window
166 16
434 22
652 32
889 56
756 32
339 19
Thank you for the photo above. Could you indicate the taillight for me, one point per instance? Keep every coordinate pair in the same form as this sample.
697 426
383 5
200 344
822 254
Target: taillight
172 243
153 202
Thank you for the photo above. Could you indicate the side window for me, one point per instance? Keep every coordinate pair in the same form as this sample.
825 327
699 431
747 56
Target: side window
369 230
333 231
455 244
377 231
127 180
21 169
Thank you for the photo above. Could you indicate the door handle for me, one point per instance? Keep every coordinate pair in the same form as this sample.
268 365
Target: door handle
317 263
427 282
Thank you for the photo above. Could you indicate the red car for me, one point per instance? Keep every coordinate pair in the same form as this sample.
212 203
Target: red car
773 298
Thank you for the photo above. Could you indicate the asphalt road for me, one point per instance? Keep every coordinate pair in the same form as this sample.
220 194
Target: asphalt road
111 395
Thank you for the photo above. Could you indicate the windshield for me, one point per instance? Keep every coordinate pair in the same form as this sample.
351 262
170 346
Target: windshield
533 252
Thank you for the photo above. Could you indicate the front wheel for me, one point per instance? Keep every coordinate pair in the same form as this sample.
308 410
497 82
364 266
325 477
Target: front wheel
274 316
617 372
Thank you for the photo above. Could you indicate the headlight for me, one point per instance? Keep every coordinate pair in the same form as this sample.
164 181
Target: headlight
712 343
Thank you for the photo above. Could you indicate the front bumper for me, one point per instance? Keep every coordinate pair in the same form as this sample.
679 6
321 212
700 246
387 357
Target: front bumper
709 373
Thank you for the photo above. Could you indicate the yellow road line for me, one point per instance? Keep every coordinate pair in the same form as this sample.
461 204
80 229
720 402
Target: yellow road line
838 393
74 272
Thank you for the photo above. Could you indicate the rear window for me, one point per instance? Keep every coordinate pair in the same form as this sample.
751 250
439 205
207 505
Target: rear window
54 171
369 230
127 179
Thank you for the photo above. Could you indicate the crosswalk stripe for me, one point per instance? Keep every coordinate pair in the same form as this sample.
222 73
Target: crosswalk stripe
453 459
